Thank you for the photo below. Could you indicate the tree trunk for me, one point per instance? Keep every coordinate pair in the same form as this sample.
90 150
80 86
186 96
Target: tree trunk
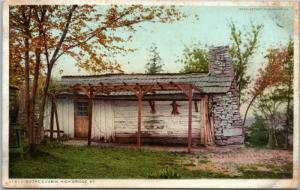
27 94
246 113
33 95
50 66
51 120
36 75
288 109
28 105
271 138
43 101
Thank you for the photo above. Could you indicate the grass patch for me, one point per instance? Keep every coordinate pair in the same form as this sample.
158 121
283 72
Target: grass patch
166 173
89 162
60 161
267 171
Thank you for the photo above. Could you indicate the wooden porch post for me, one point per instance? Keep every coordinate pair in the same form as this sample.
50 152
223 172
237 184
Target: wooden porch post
188 91
57 123
138 140
206 132
207 128
202 125
139 92
51 119
90 113
190 97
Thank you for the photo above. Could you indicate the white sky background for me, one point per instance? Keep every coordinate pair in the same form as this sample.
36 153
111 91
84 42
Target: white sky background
210 28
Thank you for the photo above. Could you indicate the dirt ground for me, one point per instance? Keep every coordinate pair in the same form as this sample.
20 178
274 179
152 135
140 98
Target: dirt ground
233 160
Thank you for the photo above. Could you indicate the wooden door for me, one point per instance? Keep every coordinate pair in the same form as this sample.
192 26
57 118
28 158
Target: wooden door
81 123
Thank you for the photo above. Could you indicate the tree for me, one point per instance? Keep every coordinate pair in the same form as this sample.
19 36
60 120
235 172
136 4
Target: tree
20 41
195 59
269 106
257 134
266 77
84 33
242 49
15 61
25 55
154 64
280 61
288 90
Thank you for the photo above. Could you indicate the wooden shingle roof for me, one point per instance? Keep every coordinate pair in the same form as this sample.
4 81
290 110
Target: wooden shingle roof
207 83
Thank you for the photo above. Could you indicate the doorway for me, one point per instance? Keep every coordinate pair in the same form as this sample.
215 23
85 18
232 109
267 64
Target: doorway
81 119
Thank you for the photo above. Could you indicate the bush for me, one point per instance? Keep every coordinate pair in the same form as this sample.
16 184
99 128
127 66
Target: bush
257 134
280 135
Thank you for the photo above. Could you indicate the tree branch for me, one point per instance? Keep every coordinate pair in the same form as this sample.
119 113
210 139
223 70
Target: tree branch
63 36
93 34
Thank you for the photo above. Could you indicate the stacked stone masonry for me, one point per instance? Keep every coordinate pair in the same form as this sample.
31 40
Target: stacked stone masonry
224 108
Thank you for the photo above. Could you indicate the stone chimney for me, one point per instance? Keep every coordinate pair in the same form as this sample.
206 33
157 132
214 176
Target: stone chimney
220 61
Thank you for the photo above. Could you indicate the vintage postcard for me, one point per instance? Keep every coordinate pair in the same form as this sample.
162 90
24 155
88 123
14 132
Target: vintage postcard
148 94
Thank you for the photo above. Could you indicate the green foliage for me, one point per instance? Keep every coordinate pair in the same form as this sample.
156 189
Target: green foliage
274 92
54 86
272 113
288 90
281 138
269 108
195 59
154 64
257 135
242 49
290 118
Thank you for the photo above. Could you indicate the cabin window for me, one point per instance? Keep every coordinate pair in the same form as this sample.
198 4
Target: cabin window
81 108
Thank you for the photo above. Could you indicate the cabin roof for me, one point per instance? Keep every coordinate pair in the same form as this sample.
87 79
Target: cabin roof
204 81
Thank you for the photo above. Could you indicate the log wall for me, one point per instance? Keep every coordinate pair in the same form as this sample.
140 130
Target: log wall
160 125
117 121
103 121
65 111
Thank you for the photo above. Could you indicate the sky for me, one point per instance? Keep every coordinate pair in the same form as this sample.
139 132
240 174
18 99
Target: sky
203 24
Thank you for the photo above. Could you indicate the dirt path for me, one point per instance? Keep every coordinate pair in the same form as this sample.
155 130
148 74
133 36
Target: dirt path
235 160
241 155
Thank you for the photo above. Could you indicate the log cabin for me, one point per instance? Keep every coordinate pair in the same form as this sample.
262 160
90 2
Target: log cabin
192 109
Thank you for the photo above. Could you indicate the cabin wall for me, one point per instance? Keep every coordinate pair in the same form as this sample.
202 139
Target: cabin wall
65 112
103 121
160 127
116 120
47 115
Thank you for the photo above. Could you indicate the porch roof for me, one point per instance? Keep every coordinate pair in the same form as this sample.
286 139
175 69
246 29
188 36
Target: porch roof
206 83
